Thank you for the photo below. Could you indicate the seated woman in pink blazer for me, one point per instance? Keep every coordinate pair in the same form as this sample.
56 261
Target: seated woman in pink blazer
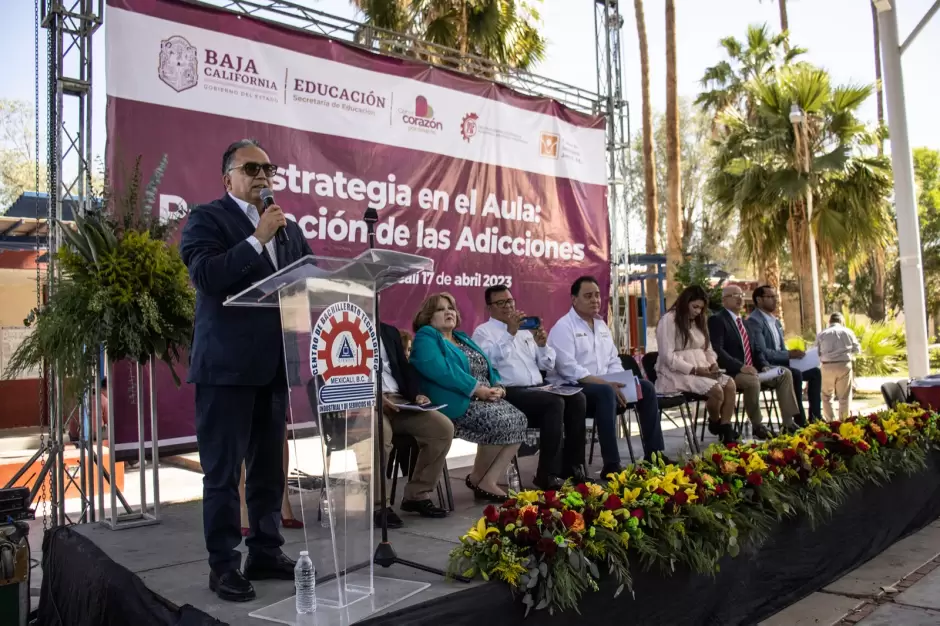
688 364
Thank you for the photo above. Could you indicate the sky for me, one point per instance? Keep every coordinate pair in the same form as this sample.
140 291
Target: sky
837 33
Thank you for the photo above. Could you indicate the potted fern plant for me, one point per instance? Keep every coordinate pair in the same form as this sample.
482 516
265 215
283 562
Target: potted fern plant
122 286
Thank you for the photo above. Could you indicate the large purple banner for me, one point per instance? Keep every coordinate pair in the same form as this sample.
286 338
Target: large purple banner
495 186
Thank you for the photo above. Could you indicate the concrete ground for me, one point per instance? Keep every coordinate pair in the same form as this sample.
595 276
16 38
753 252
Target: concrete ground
899 587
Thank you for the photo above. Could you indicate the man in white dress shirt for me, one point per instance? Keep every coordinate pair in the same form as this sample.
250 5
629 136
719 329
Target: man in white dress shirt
585 351
520 357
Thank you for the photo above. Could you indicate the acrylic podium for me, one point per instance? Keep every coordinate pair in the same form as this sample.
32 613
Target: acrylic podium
331 347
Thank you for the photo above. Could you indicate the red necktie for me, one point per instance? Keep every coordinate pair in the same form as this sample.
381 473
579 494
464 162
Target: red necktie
748 360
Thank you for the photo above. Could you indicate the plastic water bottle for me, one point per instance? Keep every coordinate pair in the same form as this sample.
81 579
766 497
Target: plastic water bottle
324 508
305 576
513 481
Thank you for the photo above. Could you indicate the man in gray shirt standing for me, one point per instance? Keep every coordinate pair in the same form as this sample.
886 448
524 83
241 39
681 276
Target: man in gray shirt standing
837 345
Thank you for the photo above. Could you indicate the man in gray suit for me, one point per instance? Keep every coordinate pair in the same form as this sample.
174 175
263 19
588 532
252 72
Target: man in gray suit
767 334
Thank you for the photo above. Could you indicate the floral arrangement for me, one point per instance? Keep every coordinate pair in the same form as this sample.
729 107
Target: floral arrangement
552 546
122 286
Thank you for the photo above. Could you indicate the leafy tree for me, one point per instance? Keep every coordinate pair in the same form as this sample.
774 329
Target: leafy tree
702 230
17 148
927 176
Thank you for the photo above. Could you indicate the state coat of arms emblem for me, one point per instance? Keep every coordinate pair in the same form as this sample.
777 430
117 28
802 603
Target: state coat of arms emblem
179 65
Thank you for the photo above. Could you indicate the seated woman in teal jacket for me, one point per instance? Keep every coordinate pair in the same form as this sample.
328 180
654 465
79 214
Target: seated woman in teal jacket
454 371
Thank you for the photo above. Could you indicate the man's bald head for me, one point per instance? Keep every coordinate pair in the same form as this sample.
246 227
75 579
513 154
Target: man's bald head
732 298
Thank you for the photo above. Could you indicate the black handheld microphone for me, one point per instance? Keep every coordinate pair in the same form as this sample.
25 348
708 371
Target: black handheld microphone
267 197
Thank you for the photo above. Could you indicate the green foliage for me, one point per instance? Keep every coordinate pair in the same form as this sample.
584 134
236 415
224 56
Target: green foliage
883 346
695 270
120 288
503 31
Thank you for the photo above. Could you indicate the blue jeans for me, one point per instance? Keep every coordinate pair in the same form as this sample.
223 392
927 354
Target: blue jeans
602 406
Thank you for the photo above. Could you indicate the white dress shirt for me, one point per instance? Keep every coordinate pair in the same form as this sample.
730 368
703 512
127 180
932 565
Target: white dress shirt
580 351
389 384
518 358
251 211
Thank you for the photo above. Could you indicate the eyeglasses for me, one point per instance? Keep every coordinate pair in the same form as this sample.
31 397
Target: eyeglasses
252 169
503 303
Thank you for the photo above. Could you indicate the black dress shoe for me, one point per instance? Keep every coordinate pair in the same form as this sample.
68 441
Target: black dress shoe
424 508
263 567
231 586
548 483
761 432
391 518
727 434
579 475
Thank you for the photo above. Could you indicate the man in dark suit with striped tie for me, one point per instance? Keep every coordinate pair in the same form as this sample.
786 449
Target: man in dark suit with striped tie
732 343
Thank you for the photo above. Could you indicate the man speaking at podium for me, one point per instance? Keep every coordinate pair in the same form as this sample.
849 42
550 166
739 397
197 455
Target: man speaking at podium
237 365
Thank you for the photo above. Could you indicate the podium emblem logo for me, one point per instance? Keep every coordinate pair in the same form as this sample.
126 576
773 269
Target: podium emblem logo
344 354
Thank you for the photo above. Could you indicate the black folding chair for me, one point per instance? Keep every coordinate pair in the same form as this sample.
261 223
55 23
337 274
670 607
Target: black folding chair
402 460
623 415
674 401
893 394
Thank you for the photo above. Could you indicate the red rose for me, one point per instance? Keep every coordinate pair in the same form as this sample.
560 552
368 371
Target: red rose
882 438
864 447
583 490
801 446
508 516
637 513
613 502
530 517
550 496
789 454
660 492
547 546
491 514
818 461
731 445
681 498
509 503
820 445
568 518
716 459
745 456
688 469
755 479
546 517
834 425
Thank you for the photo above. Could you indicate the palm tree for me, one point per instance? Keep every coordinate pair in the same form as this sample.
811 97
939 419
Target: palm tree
759 57
504 31
673 165
760 173
649 165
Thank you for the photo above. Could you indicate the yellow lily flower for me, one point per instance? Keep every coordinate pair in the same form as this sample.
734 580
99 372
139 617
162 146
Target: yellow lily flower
480 532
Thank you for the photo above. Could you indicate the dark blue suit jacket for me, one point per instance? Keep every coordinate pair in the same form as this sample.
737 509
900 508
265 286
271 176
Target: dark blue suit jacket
232 345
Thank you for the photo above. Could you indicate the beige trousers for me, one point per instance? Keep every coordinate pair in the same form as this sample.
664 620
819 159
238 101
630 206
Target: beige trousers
837 380
749 385
434 433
